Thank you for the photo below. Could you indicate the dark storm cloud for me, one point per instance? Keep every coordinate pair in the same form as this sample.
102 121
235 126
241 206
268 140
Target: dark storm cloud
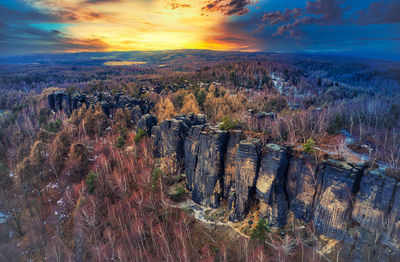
14 38
327 11
320 12
279 17
330 12
8 14
228 7
35 16
381 12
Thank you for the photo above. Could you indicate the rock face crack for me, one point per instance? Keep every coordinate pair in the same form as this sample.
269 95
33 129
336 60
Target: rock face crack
391 236
205 147
271 185
247 165
392 198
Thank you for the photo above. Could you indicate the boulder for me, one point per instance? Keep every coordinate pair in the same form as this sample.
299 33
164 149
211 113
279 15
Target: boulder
136 114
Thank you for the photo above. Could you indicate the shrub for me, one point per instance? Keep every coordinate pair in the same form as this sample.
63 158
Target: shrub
156 176
122 120
120 141
336 125
54 126
79 157
277 103
61 147
38 152
190 105
95 122
309 146
178 193
200 97
260 231
228 124
91 182
177 98
165 109
140 135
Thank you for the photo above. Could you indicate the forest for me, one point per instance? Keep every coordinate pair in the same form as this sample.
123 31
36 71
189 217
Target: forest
85 184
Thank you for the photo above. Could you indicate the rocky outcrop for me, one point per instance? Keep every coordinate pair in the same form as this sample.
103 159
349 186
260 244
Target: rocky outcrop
191 149
62 101
271 185
146 123
205 150
343 201
234 138
301 185
373 200
192 119
169 137
247 166
337 184
136 114
391 236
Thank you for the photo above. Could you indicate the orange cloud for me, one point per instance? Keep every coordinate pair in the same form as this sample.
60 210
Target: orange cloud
143 25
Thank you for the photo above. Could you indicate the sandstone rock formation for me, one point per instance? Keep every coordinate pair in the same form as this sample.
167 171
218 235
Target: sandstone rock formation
391 236
191 149
204 164
59 101
343 201
271 185
234 138
301 185
337 184
373 200
169 137
146 123
247 166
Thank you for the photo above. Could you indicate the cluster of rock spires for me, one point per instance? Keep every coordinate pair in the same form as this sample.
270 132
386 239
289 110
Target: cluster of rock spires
345 201
61 101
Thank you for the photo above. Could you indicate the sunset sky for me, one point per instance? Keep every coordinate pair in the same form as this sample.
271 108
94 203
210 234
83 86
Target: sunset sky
359 27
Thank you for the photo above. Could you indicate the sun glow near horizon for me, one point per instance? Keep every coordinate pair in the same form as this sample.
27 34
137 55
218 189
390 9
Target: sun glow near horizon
144 25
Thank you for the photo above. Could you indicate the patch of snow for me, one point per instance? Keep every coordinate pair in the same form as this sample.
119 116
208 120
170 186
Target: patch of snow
60 202
51 185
